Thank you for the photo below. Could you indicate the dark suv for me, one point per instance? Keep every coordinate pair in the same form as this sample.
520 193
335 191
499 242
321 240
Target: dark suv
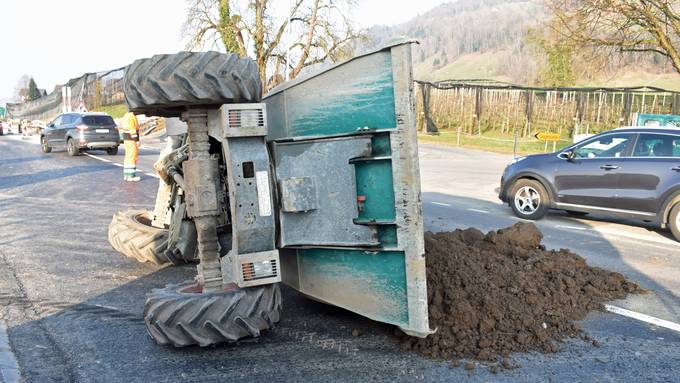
80 131
626 172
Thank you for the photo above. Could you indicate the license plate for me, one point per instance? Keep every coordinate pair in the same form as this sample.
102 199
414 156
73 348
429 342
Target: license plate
101 130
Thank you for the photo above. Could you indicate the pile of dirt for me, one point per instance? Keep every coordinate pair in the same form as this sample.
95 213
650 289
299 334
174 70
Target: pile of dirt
493 294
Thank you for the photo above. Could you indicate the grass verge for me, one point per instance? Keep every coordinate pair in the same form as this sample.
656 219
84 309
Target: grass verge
492 142
115 110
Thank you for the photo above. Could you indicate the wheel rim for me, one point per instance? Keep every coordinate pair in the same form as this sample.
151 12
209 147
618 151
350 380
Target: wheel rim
527 200
677 221
70 147
44 144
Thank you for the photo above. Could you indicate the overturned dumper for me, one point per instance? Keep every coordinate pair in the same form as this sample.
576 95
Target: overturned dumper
316 185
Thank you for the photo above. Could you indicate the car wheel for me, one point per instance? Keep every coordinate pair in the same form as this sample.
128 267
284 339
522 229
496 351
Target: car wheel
44 145
528 199
72 148
674 221
112 151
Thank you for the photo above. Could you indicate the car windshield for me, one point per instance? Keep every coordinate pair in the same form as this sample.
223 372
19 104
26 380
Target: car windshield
98 120
605 146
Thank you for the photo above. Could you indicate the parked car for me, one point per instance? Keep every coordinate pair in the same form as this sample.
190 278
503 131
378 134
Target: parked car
628 172
81 131
2 128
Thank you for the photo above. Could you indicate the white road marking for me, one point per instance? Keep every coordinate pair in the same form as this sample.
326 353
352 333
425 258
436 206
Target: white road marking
643 317
570 227
116 164
96 157
634 236
9 368
440 204
478 210
521 219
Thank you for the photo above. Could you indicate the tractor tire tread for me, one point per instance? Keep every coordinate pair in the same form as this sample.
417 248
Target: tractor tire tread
165 85
184 319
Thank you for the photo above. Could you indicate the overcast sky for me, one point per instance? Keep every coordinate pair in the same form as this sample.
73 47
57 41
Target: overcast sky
54 41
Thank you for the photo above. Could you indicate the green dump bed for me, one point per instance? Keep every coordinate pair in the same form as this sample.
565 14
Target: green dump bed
346 157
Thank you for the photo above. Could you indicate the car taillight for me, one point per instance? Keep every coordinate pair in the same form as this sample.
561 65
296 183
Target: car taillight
81 127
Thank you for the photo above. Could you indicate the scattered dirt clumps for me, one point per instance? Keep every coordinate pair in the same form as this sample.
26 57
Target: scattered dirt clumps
493 294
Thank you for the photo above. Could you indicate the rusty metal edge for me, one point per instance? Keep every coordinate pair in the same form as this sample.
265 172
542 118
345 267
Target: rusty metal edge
406 175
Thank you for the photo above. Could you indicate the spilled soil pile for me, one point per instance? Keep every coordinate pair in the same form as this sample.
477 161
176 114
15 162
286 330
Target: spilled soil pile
493 294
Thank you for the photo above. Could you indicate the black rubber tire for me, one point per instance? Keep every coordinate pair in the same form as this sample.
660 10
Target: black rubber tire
165 85
71 148
543 204
44 146
131 234
178 318
673 221
112 151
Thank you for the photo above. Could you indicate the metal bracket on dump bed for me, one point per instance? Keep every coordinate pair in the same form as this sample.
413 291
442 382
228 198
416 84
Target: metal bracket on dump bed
253 259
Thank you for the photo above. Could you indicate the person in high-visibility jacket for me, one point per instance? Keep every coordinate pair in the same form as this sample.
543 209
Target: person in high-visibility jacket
130 133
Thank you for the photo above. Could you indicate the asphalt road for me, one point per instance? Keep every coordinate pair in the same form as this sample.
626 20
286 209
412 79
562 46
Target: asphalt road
72 306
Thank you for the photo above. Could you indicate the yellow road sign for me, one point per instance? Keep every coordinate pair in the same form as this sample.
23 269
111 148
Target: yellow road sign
547 136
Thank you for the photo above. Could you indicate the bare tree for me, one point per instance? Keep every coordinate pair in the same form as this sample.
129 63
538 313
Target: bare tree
650 26
21 89
320 31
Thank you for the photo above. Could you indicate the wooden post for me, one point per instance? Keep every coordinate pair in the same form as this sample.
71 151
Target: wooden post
429 126
627 108
478 110
528 96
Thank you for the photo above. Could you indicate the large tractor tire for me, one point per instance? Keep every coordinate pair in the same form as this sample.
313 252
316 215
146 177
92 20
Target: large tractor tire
166 85
131 234
181 315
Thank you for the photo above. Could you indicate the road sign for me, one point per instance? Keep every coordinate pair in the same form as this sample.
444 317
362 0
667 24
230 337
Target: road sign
547 136
81 107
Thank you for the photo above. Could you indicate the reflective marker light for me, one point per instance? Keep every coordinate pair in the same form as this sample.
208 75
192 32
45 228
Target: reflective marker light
263 268
258 269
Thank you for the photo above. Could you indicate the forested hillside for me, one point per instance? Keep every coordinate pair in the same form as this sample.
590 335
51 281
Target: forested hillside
490 39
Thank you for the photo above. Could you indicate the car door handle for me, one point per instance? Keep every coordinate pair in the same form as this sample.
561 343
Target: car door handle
677 168
609 167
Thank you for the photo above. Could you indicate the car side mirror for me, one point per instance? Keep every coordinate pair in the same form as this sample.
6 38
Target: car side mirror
567 155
